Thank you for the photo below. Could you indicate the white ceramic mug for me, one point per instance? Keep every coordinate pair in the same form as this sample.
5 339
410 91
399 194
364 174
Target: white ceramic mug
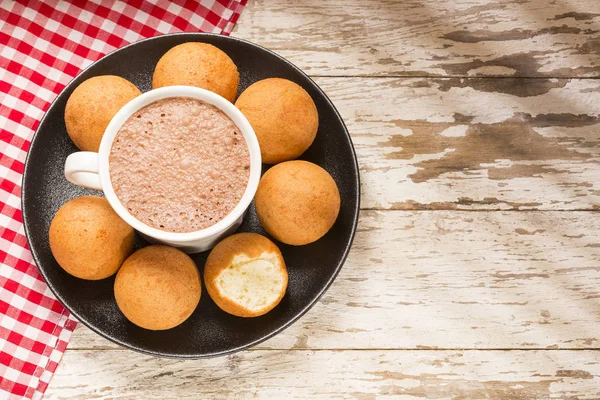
91 170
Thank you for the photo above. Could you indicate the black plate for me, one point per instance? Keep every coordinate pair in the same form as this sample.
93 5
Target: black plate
209 331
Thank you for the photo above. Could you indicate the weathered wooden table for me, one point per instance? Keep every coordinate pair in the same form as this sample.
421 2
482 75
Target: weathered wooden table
475 272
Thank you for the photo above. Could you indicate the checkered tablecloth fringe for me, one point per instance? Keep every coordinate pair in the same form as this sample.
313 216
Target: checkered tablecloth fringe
43 45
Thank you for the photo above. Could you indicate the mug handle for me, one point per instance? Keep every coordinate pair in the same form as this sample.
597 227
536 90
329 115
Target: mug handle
81 169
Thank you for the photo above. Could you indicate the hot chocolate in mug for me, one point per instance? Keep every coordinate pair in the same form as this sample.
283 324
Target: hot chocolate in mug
91 170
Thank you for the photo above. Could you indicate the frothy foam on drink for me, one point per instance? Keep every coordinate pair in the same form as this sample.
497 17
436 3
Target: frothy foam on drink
179 165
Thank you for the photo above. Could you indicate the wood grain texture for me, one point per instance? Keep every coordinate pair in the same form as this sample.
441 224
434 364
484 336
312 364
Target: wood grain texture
430 38
483 143
360 375
448 279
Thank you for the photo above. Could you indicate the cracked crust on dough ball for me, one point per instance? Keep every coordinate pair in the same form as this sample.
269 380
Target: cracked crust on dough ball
245 275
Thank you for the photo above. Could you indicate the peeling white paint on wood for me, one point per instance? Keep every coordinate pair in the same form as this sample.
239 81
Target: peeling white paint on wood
361 375
433 38
514 143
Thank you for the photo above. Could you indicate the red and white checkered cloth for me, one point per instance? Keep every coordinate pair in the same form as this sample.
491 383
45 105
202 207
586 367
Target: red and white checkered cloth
43 45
